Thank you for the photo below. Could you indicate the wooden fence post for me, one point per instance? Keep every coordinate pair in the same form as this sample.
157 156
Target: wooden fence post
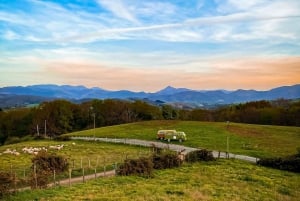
70 176
83 179
15 181
104 166
35 176
24 173
54 179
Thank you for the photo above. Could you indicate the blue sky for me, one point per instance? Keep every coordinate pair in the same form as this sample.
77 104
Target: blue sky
147 45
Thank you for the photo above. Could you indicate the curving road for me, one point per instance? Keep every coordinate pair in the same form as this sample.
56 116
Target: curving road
178 148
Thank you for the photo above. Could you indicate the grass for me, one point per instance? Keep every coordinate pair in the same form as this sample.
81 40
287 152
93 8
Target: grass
90 153
219 180
252 140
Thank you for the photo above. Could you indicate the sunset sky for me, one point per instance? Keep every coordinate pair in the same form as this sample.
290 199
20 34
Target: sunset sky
147 45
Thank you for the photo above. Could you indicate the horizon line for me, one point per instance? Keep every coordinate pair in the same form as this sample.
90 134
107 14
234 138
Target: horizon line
198 90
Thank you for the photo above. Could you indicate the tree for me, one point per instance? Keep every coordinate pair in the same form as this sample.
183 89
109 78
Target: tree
144 111
168 112
58 115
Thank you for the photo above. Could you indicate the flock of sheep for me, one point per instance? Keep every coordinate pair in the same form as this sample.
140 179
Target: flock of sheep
34 150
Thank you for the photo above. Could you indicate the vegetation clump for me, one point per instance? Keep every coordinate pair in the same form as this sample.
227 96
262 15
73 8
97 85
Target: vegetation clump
166 160
289 163
199 155
142 167
43 166
62 138
6 183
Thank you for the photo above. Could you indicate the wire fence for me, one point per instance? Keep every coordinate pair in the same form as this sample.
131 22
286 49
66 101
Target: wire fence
79 170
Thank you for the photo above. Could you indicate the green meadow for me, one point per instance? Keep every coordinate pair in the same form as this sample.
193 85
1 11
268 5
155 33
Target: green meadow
247 139
90 153
219 180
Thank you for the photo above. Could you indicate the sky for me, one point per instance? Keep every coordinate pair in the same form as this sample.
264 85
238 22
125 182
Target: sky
146 45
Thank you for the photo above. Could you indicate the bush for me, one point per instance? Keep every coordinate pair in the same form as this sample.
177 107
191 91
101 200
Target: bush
12 140
142 167
290 163
43 167
50 162
6 183
156 150
39 179
199 155
166 160
62 138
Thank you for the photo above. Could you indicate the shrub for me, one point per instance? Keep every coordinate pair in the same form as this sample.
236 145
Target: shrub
50 162
166 160
6 182
12 140
39 179
43 167
141 166
156 150
62 138
199 155
290 163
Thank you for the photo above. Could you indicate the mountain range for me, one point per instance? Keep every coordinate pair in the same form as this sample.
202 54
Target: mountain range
39 93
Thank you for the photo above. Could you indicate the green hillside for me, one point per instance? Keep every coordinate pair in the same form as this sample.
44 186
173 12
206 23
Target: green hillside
247 139
221 181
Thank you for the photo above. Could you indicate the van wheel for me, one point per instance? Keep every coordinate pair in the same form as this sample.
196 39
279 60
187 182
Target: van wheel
180 140
169 140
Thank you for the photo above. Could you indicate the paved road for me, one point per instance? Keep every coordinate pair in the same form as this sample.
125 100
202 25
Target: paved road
174 147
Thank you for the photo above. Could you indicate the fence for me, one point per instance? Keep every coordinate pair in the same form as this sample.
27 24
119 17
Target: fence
79 170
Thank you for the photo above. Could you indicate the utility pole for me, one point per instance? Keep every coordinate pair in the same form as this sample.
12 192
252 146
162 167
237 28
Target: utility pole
94 116
45 127
94 126
37 129
227 147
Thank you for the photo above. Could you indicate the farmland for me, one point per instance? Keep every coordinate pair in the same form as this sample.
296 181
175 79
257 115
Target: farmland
219 180
246 139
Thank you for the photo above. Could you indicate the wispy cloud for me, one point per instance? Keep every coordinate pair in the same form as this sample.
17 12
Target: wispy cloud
204 21
119 9
50 22
191 43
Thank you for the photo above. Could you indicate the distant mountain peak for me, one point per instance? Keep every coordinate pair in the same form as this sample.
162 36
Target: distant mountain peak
171 90
168 95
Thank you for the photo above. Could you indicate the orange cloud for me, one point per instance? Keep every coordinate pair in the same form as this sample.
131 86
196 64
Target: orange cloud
252 73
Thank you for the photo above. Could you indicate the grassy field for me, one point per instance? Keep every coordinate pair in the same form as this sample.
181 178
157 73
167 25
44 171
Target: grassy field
252 140
219 180
91 153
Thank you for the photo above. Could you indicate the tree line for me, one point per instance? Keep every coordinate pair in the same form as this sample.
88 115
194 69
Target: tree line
61 116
